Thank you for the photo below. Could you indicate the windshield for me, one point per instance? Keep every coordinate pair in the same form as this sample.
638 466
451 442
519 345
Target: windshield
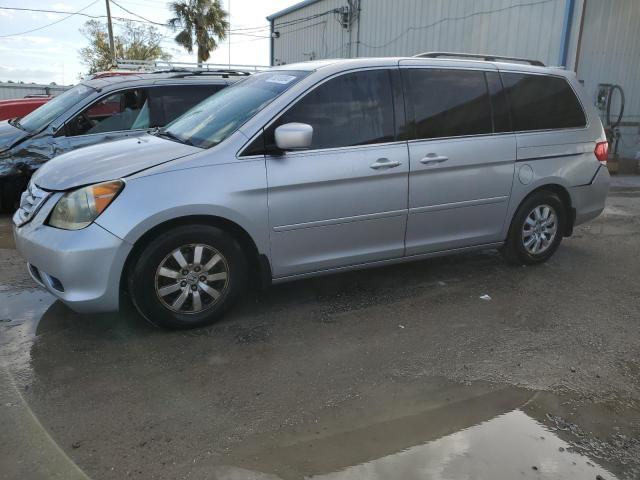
42 116
214 119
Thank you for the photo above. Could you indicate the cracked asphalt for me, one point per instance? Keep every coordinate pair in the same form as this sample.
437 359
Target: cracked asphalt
395 372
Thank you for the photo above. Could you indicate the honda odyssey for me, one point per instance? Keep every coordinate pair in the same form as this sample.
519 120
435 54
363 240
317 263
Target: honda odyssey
316 168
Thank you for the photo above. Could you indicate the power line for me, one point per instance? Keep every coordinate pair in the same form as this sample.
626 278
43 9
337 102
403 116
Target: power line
136 15
49 24
79 13
141 19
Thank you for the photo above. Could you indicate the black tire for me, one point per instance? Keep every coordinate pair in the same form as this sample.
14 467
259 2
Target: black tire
514 250
144 282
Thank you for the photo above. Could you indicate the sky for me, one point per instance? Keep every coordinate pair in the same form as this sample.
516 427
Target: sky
51 53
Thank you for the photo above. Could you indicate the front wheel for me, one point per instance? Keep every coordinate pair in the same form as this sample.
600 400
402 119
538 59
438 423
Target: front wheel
536 230
188 277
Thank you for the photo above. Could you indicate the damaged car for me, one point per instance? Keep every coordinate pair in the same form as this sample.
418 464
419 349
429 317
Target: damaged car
95 111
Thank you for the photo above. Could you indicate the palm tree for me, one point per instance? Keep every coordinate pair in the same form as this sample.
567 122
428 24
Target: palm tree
203 23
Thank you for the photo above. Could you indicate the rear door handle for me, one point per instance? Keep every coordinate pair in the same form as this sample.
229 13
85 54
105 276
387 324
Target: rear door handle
433 159
384 163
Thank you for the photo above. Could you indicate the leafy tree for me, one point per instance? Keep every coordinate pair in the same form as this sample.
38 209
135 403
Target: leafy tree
202 23
134 42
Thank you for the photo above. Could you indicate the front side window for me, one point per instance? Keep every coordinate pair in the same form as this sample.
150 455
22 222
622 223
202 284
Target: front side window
213 120
542 102
124 110
42 116
447 103
349 110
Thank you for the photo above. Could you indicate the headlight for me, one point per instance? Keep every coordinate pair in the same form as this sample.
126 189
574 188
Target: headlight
79 208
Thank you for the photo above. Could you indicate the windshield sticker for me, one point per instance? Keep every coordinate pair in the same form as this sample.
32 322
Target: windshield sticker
281 79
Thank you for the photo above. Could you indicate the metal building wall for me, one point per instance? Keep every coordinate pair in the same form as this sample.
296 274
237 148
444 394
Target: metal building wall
310 33
502 27
610 53
526 28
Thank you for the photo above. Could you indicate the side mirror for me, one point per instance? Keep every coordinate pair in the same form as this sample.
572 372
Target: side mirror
293 136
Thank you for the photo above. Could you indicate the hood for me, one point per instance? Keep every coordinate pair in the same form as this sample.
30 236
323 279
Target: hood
108 161
10 135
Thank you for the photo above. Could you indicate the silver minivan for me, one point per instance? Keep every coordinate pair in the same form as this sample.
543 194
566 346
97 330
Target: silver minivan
314 168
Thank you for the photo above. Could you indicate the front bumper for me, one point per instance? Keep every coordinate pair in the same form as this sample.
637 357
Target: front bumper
82 267
589 200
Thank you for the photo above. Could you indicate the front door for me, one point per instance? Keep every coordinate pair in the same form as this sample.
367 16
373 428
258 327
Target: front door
462 158
343 201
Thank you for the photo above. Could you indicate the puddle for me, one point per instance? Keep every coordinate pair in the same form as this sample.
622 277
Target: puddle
464 439
20 312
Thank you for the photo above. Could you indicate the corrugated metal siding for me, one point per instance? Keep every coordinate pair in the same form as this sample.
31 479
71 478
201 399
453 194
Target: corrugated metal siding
502 27
525 28
610 53
320 36
10 91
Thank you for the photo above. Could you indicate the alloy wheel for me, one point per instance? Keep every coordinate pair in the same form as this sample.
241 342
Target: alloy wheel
192 279
539 229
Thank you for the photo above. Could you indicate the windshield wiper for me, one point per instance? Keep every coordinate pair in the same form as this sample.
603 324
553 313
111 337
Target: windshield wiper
171 136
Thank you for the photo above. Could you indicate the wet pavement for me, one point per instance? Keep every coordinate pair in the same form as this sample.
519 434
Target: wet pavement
398 372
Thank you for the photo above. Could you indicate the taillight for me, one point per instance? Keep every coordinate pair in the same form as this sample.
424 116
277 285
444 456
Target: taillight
602 152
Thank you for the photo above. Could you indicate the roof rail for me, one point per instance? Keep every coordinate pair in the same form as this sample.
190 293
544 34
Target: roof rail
164 66
182 73
487 58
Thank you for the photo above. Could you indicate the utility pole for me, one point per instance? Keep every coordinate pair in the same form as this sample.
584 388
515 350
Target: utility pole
229 34
110 28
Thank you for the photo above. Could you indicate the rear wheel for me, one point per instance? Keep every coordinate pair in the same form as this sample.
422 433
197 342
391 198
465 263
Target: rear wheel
536 230
188 277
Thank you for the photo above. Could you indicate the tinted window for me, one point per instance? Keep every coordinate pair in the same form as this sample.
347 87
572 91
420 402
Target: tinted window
540 102
447 103
124 110
168 103
352 109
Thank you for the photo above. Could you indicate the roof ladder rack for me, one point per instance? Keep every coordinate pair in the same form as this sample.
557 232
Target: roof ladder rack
487 58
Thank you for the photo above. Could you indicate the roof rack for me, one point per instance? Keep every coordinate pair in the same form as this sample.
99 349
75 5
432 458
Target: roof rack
186 69
487 58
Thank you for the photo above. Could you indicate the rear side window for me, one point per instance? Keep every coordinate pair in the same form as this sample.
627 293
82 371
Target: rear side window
540 102
352 109
168 103
447 103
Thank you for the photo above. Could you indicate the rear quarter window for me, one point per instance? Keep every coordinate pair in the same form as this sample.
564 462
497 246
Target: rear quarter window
542 102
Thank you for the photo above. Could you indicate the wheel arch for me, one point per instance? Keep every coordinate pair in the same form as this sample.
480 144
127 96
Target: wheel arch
259 264
564 196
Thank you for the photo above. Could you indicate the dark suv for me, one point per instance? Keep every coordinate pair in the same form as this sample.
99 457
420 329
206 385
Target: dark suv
96 111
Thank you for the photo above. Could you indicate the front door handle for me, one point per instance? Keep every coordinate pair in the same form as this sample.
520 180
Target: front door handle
384 163
433 159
